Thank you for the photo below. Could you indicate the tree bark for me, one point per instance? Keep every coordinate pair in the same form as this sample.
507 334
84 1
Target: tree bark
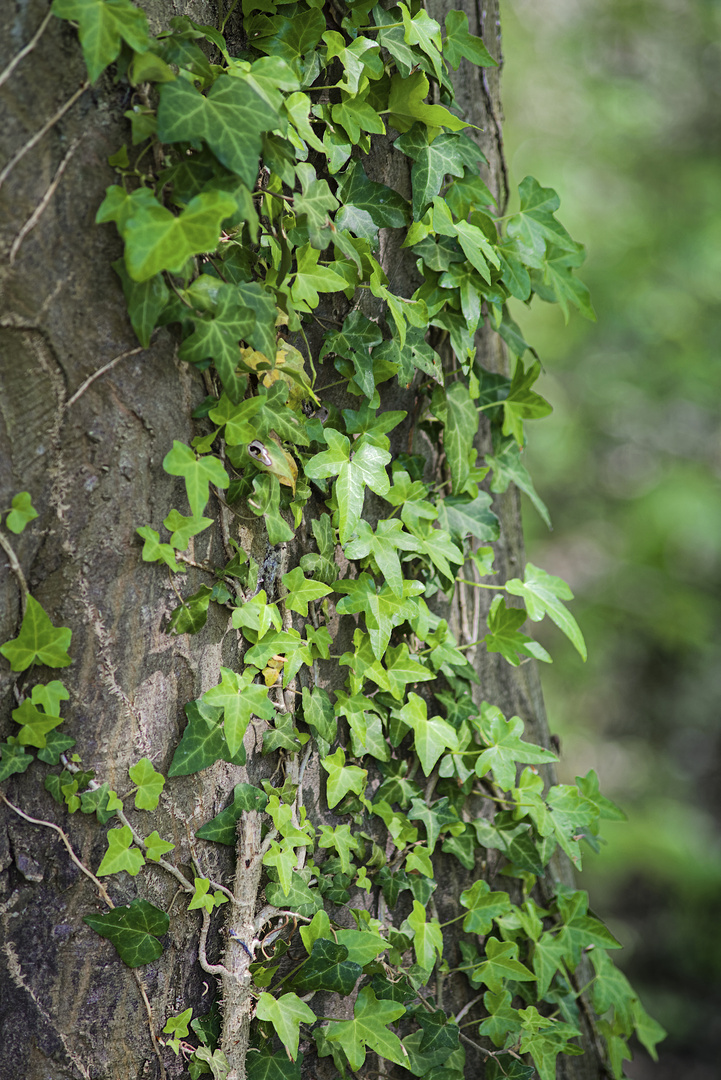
87 416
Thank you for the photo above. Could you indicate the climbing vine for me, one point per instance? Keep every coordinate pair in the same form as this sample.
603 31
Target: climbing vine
248 217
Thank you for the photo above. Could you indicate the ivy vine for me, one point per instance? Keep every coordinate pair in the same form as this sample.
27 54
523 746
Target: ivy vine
243 204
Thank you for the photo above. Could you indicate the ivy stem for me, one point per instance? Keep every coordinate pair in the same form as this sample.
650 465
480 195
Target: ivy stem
480 585
25 49
17 571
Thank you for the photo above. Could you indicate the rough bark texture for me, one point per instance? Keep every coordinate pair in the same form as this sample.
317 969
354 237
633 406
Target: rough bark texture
91 457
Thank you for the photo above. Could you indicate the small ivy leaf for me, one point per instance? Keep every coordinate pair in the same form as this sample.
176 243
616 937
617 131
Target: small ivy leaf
548 954
502 964
286 1014
508 468
383 546
103 25
121 856
365 468
154 551
38 640
579 929
301 591
177 1026
150 784
432 736
458 43
198 473
156 847
183 528
192 614
216 1061
340 839
542 594
505 1067
506 747
463 516
22 512
342 778
203 899
505 636
314 205
36 724
502 1019
434 817
13 759
522 403
427 937
483 907
133 930
146 300
368 1029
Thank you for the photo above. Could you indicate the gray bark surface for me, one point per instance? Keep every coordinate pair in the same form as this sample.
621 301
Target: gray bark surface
90 454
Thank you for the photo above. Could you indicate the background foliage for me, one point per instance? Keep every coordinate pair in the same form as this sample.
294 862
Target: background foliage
618 102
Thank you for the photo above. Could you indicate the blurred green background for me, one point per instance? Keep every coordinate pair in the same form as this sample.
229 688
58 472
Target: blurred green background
617 105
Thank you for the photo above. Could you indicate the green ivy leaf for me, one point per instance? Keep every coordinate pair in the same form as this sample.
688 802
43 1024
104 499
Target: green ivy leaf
508 468
133 930
149 782
579 929
22 512
406 104
463 516
183 528
368 1029
506 747
455 409
154 551
198 473
156 847
435 818
523 403
483 907
103 25
223 827
502 1021
502 964
340 839
459 43
432 736
240 699
120 855
386 207
286 1014
328 968
301 591
38 641
203 899
383 546
365 468
381 607
230 119
265 1065
13 759
542 594
203 742
427 937
192 614
145 300
342 778
505 636
312 277
36 724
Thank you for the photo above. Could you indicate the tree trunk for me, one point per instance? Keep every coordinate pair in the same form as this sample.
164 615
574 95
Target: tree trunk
87 417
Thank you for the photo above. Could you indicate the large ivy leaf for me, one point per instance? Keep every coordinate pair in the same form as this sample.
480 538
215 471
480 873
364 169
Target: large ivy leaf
386 207
427 937
382 609
579 929
286 1014
36 724
156 240
38 641
328 968
230 119
262 1065
149 782
13 759
133 930
463 515
240 698
301 590
368 1029
505 635
342 778
103 25
431 164
203 742
222 828
383 546
217 336
542 594
502 964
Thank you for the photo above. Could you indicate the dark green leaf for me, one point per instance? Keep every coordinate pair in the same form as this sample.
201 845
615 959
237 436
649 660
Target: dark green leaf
133 930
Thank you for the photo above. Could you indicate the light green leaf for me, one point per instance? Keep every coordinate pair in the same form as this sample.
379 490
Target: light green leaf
505 636
103 25
508 468
483 907
542 594
150 784
22 512
202 898
182 528
36 724
432 736
312 278
38 641
407 104
156 847
301 590
342 778
455 409
362 945
463 516
286 1014
459 43
240 698
506 747
501 964
120 855
154 551
198 473
522 403
368 1029
340 839
427 937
